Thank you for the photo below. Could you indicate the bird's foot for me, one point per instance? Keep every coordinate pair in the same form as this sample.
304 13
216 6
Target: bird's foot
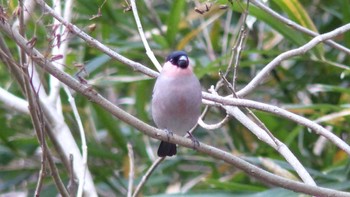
168 133
194 140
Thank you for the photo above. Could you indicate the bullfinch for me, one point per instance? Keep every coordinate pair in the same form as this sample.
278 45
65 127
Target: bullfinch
176 99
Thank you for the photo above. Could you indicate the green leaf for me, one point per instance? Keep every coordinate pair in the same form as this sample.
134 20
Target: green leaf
173 21
96 63
346 19
297 13
233 186
161 40
95 150
111 125
290 34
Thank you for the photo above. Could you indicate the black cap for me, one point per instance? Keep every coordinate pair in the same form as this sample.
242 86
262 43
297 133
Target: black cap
178 58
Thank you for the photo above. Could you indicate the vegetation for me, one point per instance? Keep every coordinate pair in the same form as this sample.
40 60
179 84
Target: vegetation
228 49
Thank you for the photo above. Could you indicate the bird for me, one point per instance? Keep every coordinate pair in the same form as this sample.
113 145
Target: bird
176 99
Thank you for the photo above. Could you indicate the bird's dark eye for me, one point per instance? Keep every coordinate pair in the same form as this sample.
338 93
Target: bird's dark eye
182 62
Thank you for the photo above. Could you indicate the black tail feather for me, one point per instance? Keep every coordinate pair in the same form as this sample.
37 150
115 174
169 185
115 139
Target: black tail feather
166 149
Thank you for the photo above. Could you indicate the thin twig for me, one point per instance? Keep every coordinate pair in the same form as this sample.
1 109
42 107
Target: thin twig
213 126
155 62
298 27
23 13
209 46
6 58
56 176
149 52
267 137
237 49
60 35
83 140
241 23
318 129
221 82
154 16
34 105
59 132
23 59
275 143
252 115
96 44
72 186
39 125
37 116
146 176
333 116
131 169
259 78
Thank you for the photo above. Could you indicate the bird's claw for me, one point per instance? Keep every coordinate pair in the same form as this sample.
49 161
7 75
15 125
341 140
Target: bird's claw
194 140
168 133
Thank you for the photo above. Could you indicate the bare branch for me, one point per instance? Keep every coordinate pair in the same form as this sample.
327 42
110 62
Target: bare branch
283 113
149 52
288 54
265 135
72 186
298 27
212 126
272 141
83 140
131 169
13 102
96 44
146 176
58 131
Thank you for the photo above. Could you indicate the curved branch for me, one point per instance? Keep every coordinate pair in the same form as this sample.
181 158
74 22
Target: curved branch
212 126
13 102
149 52
146 176
260 77
279 146
283 113
296 26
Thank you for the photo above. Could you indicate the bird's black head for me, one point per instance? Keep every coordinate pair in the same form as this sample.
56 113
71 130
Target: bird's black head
178 58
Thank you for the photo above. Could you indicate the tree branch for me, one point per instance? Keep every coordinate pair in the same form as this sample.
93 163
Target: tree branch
261 76
96 44
159 134
149 52
298 27
318 129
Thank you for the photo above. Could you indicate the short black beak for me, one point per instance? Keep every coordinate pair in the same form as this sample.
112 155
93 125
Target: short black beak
182 62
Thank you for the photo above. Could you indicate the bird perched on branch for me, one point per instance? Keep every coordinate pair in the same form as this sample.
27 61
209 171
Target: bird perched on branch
176 99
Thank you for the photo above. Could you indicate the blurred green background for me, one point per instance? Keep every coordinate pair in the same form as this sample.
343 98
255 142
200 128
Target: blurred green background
313 85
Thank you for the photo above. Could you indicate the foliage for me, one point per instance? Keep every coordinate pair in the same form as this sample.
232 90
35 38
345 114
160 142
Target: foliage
313 85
